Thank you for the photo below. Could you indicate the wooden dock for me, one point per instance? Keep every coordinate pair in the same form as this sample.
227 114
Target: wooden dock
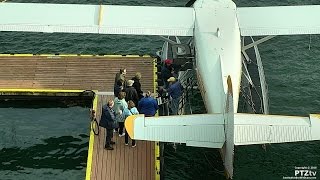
71 72
74 72
124 162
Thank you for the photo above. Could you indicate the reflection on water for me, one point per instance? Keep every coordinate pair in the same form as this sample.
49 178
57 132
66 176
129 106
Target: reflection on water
187 162
43 143
65 152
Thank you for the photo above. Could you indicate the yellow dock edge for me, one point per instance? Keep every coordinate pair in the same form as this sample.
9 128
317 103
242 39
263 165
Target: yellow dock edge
157 160
157 147
91 141
41 90
76 55
95 104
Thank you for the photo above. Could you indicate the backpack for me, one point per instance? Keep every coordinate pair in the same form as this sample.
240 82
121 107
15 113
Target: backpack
119 111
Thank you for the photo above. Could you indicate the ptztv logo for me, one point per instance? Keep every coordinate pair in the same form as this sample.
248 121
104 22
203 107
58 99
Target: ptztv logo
305 173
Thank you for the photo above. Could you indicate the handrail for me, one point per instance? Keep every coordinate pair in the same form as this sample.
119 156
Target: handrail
188 82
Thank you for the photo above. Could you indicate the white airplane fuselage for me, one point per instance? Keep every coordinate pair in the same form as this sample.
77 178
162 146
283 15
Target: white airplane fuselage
217 39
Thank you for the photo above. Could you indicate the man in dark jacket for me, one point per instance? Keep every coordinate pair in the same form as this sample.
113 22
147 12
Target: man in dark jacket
137 84
166 72
120 75
108 121
148 106
131 92
118 88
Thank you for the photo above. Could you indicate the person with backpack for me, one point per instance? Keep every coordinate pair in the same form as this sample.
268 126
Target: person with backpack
120 105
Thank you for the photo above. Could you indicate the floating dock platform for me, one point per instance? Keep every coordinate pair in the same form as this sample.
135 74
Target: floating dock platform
32 75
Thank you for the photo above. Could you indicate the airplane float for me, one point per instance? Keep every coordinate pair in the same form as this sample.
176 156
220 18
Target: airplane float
216 27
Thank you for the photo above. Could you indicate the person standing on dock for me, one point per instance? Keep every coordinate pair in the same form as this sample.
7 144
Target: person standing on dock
120 75
131 110
118 88
137 84
166 72
120 105
107 121
131 92
175 92
148 106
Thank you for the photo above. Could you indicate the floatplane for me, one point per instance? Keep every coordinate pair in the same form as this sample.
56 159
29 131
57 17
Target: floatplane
216 27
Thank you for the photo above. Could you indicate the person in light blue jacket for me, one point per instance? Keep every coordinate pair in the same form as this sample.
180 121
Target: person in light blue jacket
131 110
120 105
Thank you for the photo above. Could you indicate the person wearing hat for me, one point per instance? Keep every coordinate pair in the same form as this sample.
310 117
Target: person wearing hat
166 72
175 92
131 92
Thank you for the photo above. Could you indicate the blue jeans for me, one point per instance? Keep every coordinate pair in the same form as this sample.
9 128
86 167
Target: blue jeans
175 105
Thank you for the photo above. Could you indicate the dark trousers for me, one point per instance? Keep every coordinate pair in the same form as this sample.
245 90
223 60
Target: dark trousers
126 139
109 136
121 125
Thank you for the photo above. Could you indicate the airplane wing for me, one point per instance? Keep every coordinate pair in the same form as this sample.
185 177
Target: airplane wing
202 130
101 19
262 129
279 20
211 130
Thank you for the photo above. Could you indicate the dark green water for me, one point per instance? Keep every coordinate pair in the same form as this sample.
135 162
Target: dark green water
292 73
43 140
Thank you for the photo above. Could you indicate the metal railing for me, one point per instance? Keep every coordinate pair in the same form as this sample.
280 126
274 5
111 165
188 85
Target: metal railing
189 83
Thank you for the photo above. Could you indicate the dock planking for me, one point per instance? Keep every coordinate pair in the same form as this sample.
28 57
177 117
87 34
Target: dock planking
124 162
89 73
76 72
